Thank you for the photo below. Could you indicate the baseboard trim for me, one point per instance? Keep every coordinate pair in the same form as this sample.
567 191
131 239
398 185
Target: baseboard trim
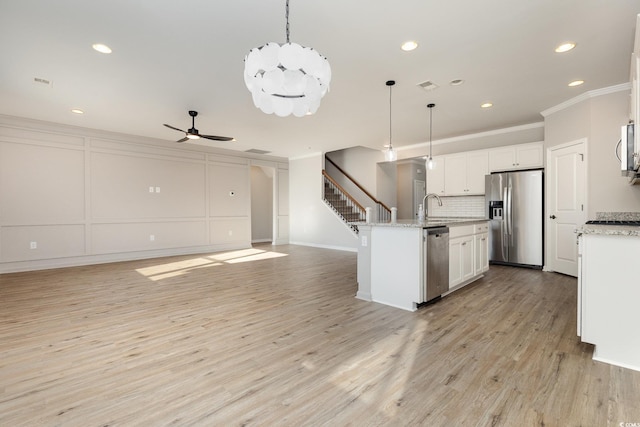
48 264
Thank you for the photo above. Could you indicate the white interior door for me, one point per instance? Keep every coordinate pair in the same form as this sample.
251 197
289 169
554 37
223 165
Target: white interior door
566 205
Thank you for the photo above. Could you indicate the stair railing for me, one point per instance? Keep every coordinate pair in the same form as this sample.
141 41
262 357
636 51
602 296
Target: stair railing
344 203
381 211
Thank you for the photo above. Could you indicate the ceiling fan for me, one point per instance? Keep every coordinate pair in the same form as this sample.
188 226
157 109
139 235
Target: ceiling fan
193 132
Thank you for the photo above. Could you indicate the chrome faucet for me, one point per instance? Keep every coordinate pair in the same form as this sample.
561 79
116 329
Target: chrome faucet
424 203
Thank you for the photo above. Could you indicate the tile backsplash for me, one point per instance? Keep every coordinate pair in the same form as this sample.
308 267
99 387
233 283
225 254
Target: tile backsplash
462 206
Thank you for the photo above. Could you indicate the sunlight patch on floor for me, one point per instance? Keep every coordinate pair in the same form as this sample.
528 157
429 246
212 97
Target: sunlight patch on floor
384 369
173 269
226 256
257 257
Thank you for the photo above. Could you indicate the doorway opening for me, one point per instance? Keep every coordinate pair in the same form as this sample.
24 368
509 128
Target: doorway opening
262 193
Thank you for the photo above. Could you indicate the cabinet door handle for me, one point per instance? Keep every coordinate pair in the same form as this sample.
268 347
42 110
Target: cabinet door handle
552 217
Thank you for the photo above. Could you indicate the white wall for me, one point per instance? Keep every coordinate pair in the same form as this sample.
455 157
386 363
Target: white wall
312 222
261 204
360 163
74 196
598 118
408 172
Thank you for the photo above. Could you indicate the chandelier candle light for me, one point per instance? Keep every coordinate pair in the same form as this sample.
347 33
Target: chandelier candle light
286 79
390 153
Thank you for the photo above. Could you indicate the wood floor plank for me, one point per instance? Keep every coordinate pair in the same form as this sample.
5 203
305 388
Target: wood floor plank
274 336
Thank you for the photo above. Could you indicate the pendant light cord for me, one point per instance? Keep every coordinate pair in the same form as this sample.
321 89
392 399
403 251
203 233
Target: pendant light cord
390 145
430 129
430 107
287 17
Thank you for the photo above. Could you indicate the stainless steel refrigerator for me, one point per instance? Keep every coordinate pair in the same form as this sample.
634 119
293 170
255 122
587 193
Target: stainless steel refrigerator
515 203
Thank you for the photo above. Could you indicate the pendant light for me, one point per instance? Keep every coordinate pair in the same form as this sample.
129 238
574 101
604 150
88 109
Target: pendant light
430 162
390 153
286 79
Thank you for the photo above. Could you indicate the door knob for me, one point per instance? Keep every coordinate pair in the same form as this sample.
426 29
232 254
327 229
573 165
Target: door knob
552 217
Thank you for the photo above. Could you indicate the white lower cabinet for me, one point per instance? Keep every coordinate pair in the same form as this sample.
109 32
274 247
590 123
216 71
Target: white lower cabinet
608 297
468 253
481 248
481 261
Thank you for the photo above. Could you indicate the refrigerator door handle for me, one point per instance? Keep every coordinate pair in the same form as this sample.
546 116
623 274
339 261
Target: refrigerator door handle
510 213
505 216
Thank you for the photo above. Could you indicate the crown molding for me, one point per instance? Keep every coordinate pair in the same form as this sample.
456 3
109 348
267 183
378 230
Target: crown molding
585 96
474 136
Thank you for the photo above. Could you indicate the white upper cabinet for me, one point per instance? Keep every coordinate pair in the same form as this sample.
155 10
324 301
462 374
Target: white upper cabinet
477 168
455 174
464 173
512 157
435 177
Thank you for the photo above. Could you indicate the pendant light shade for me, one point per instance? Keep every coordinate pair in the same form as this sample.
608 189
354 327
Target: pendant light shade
390 154
430 162
286 79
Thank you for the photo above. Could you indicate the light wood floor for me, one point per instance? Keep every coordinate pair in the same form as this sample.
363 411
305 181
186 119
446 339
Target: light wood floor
276 337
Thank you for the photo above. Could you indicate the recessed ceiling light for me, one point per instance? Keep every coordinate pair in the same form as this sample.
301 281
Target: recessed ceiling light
565 47
408 46
456 82
486 105
77 111
576 83
102 48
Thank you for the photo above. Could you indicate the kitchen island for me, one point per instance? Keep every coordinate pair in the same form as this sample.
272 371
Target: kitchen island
392 256
609 291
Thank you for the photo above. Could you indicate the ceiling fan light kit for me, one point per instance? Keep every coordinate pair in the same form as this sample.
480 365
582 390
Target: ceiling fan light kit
193 133
286 79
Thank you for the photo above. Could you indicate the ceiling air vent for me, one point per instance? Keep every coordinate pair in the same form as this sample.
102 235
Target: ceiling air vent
256 151
428 85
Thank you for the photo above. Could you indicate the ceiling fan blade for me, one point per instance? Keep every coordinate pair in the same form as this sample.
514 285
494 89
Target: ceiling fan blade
174 128
218 138
183 139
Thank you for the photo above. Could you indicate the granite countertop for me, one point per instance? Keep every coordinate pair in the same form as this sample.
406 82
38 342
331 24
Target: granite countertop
612 230
609 230
427 223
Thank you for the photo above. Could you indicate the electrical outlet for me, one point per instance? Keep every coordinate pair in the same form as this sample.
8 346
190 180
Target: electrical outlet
33 245
152 237
157 189
230 232
364 241
151 189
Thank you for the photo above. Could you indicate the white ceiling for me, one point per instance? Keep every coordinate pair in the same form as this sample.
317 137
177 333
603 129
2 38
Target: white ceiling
173 56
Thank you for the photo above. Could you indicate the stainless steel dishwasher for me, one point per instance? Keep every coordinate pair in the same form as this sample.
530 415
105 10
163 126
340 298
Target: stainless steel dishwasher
437 262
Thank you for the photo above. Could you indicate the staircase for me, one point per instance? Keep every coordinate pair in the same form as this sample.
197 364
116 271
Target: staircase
342 203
